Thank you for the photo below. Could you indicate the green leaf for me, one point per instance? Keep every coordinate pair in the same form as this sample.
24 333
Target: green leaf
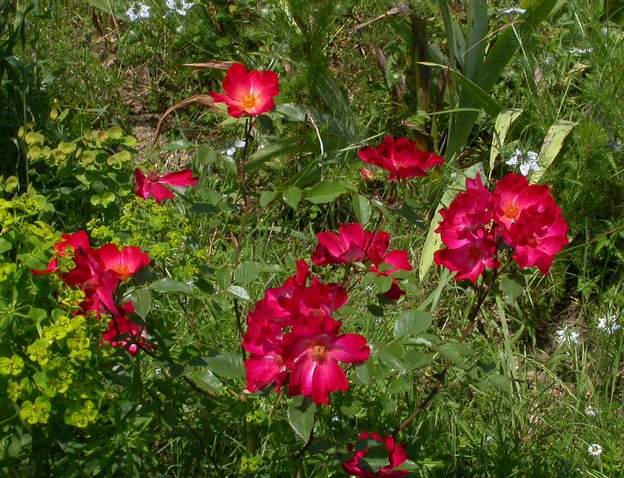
170 286
382 284
399 385
292 196
142 299
205 379
325 191
551 146
5 245
266 198
412 322
391 356
433 241
504 121
500 382
511 288
301 416
361 208
417 359
238 292
477 37
455 352
226 364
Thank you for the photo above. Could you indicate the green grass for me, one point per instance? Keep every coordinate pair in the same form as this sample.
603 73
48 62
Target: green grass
516 405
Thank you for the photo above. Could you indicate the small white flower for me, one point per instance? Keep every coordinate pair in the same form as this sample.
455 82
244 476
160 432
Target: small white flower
549 60
567 335
240 144
489 440
138 10
609 323
594 449
581 51
181 7
526 160
335 419
230 152
590 411
515 157
511 11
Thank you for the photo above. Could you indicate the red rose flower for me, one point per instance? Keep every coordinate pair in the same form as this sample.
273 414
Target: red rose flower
153 186
392 262
352 244
402 158
123 263
396 456
248 93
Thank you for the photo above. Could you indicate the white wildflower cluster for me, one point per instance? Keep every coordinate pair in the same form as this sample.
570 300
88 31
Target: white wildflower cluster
138 10
609 323
594 449
567 335
511 11
527 160
590 411
181 7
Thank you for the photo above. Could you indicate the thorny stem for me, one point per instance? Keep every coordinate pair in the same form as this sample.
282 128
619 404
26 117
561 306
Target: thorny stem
484 292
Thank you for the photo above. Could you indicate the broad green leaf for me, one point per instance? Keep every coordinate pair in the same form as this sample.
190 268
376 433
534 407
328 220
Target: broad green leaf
433 241
399 385
511 288
238 292
477 37
382 284
551 146
266 197
325 191
455 352
170 286
504 121
5 245
226 364
205 379
361 208
416 359
292 196
412 322
301 416
142 299
391 356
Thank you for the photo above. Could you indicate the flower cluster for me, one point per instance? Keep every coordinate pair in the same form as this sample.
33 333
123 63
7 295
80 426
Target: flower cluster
355 244
98 272
291 334
402 158
153 186
396 456
522 216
